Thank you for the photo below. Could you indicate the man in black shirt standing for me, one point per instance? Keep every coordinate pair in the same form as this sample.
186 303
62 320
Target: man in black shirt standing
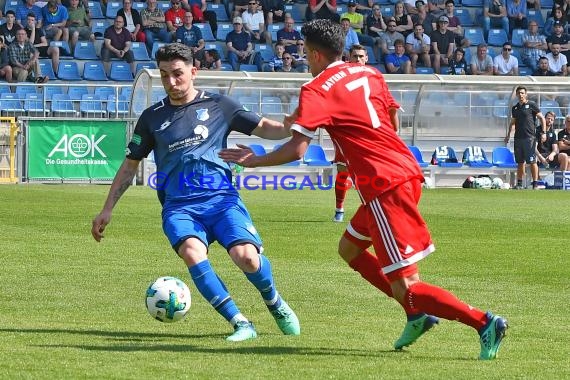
523 123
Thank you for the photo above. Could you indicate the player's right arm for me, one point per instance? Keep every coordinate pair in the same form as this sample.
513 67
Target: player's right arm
123 179
510 130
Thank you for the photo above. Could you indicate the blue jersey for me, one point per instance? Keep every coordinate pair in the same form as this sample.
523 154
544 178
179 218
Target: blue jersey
186 140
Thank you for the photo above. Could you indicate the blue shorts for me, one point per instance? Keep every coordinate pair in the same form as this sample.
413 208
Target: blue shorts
226 221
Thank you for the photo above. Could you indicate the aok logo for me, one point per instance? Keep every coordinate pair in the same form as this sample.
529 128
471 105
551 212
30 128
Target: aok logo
78 146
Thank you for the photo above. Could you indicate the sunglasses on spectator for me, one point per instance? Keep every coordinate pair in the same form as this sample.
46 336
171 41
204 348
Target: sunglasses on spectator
507 49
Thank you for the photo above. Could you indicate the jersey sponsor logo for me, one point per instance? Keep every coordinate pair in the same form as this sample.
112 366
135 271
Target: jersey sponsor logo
136 139
202 114
202 131
163 126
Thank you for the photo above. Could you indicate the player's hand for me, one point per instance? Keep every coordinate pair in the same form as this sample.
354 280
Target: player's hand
99 224
241 155
288 120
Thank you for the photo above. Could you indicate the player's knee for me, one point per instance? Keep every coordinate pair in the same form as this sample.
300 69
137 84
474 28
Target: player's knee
245 256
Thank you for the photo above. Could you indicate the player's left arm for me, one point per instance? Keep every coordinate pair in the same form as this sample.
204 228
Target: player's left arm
271 129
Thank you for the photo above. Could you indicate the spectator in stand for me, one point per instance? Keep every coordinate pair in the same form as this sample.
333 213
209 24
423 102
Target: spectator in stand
10 28
357 23
154 25
273 11
375 24
37 37
24 60
516 11
422 16
275 63
557 62
240 48
211 60
358 54
559 37
254 23
411 8
442 44
78 24
117 44
55 21
418 46
534 44
390 37
457 64
22 13
240 6
287 66
481 63
557 15
436 8
322 9
201 13
495 16
174 18
133 21
5 68
564 145
505 63
289 36
350 36
403 20
547 151
190 35
300 58
398 62
533 4
455 25
543 70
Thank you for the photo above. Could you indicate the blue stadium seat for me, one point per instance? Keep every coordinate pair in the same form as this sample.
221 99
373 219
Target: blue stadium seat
371 57
34 105
120 71
223 30
92 106
220 47
296 11
248 67
343 8
472 3
117 107
47 69
76 92
139 5
68 70
475 35
219 10
424 70
501 108
271 105
292 163
145 65
126 92
163 5
104 91
98 28
5 88
265 51
259 150
418 155
10 104
227 67
547 4
315 156
524 71
62 105
95 10
11 5
475 157
94 71
21 91
549 106
518 35
139 51
155 46
272 29
85 50
535 15
50 91
464 17
497 37
445 157
504 158
387 11
206 30
62 45
112 9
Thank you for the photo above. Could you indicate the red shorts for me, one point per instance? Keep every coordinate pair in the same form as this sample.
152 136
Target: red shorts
393 225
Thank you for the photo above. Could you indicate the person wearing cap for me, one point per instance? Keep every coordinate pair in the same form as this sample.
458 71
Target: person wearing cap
505 63
442 44
481 63
322 9
454 24
418 46
154 25
422 16
495 16
558 36
254 23
357 23
240 48
174 17
516 11
534 45
557 15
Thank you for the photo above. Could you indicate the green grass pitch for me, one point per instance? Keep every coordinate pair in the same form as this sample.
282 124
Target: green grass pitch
73 309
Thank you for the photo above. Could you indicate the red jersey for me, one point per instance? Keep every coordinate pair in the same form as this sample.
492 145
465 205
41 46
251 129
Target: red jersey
175 16
351 103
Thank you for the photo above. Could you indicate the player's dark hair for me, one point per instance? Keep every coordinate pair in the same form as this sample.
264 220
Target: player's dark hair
214 54
325 36
550 113
176 50
520 88
356 47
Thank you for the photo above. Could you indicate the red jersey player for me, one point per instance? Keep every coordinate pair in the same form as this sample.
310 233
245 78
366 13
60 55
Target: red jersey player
356 111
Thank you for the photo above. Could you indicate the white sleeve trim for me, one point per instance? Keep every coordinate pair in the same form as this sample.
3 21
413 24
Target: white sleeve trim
302 130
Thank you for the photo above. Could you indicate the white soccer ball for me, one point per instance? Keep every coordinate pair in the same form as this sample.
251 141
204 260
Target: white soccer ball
168 299
497 183
506 186
428 183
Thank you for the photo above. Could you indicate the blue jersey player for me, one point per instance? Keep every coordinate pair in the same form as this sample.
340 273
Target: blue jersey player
186 130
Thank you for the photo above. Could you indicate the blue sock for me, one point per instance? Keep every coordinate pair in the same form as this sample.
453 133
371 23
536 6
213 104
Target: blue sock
263 281
214 291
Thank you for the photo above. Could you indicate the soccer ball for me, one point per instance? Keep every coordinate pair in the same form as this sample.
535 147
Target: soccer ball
168 299
497 183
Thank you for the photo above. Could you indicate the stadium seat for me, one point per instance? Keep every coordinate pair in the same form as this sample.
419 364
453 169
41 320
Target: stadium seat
549 106
139 5
292 163
220 48
11 104
388 11
273 29
76 92
62 105
95 10
47 69
85 50
296 11
206 30
4 88
145 65
315 156
155 46
343 8
445 157
525 71
98 28
259 150
104 91
472 3
248 67
92 106
547 4
126 92
371 57
34 105
265 51
68 70
50 91
112 9
62 45
227 67
139 51
497 37
475 157
504 158
501 108
163 5
418 155
94 71
464 17
475 35
223 30
120 71
21 91
219 10
11 5
535 15
518 35
424 70
117 107
271 105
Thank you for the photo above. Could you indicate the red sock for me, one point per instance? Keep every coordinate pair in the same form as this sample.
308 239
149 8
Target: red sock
341 185
426 298
368 266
